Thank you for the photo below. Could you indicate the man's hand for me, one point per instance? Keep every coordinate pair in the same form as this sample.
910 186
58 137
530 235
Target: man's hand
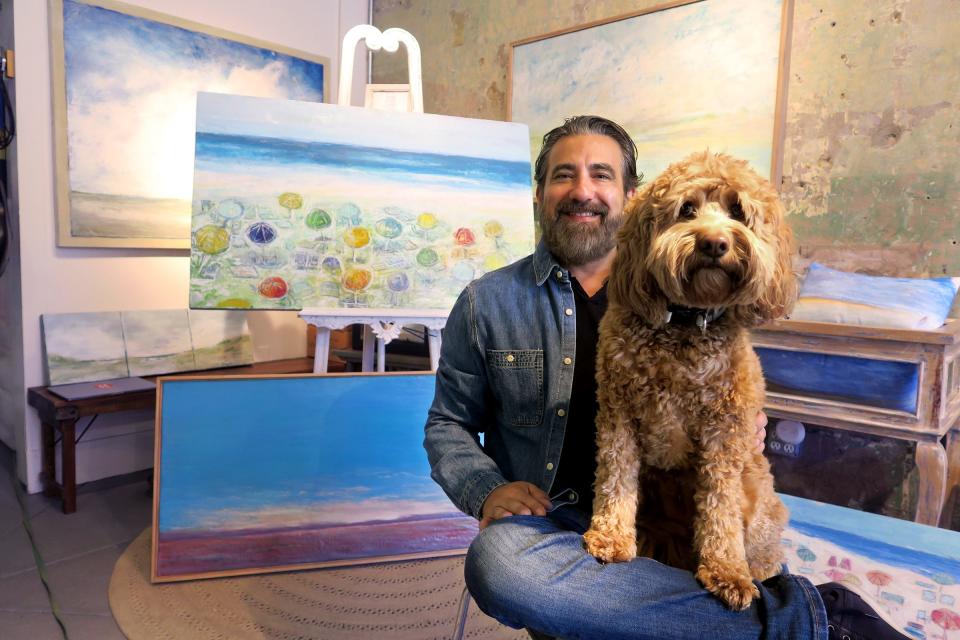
515 499
761 430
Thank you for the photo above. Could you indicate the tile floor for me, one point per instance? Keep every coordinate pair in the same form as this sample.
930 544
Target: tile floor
73 555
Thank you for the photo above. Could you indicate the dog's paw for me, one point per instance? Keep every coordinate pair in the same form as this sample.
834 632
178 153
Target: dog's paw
736 590
610 548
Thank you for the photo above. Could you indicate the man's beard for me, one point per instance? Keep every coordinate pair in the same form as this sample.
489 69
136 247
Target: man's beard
573 243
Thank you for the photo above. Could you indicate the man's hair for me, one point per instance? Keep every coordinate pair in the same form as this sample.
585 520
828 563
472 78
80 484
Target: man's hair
591 125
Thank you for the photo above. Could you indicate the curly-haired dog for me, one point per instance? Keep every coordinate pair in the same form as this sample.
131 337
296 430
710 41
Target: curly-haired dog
703 254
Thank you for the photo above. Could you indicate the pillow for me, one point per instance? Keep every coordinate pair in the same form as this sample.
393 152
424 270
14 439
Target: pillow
828 295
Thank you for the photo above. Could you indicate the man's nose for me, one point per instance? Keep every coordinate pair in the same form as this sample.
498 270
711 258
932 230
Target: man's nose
582 189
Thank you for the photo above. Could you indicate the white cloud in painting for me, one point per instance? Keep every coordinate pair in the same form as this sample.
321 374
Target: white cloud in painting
84 336
210 328
156 332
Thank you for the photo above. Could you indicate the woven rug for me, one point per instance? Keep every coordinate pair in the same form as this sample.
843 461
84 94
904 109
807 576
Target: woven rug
415 600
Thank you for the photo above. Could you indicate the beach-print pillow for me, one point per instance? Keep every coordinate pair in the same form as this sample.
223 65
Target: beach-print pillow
829 295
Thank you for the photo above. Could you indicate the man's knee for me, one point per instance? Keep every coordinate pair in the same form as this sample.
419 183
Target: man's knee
494 566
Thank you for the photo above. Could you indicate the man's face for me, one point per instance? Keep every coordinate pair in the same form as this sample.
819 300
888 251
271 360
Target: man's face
581 202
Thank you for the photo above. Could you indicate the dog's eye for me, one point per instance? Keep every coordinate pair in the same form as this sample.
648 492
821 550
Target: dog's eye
736 212
687 211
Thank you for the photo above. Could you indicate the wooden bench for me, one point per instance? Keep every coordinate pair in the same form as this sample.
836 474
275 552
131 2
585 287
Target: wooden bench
58 415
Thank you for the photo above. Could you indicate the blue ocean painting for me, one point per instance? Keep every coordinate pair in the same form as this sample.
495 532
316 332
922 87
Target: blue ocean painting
309 205
265 472
887 384
131 85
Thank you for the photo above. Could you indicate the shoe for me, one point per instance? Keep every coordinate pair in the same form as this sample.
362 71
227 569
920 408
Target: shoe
849 617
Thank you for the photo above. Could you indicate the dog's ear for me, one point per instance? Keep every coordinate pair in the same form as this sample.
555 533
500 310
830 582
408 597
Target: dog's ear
631 285
780 295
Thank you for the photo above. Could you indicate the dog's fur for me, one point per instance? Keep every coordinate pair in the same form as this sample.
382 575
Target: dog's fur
676 427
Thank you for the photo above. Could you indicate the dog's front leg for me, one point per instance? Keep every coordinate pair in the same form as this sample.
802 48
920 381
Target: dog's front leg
612 536
719 528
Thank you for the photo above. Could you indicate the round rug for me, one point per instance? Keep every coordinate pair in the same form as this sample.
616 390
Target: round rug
414 600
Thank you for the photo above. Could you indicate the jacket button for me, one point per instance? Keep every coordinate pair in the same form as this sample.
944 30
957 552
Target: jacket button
568 361
510 357
561 412
569 312
559 274
549 466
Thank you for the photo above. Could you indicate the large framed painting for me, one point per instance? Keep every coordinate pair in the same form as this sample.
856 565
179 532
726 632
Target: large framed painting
680 77
274 473
125 81
299 204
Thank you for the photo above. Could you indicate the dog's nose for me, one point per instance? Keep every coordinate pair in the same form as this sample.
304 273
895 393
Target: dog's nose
713 246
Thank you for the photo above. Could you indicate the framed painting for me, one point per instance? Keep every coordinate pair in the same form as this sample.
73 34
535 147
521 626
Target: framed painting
125 81
274 473
300 204
679 77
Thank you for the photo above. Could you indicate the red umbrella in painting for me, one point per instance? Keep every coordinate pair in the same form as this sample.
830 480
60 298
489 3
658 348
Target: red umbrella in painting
880 579
835 574
946 619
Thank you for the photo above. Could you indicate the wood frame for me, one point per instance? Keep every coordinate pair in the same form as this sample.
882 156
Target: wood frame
65 238
457 527
783 77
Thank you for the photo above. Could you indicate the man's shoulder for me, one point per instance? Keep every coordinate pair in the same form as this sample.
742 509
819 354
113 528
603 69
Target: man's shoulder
515 274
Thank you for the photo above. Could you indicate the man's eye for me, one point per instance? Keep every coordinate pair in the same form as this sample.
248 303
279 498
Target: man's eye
736 212
688 211
604 176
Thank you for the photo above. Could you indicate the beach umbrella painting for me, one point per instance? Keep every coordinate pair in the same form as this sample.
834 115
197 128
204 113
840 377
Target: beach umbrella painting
356 280
318 219
946 619
261 233
880 579
942 579
356 238
290 201
273 287
427 257
212 239
805 554
397 283
230 209
835 575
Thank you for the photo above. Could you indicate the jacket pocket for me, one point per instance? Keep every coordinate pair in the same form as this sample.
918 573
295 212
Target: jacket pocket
516 379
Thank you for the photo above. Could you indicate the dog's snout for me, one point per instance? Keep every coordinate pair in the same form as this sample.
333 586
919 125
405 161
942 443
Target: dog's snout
714 246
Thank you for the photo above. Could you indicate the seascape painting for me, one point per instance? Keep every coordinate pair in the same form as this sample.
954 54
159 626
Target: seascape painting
310 205
158 341
125 81
272 474
695 76
83 346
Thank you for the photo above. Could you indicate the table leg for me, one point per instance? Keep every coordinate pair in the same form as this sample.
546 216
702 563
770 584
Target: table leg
321 352
49 463
381 355
931 460
953 477
434 343
366 360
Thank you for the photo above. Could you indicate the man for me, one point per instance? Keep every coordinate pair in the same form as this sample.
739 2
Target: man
517 365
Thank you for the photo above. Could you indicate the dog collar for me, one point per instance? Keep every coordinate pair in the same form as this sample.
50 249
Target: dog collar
686 316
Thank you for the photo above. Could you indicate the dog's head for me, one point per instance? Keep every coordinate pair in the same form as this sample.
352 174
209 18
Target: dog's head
708 232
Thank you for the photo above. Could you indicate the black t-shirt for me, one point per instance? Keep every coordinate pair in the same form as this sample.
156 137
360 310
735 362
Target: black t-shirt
578 458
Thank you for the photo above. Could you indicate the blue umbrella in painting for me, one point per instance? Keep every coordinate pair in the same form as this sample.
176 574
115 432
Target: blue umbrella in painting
261 234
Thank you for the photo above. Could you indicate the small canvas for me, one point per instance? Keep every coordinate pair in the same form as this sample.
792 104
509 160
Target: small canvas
263 474
220 338
298 204
84 346
158 341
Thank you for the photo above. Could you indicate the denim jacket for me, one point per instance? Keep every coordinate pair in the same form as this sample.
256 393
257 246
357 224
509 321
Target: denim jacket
506 370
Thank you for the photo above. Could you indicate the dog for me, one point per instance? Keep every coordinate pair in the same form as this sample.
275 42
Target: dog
704 254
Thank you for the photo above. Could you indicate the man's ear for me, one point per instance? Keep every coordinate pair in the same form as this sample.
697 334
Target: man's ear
539 195
628 196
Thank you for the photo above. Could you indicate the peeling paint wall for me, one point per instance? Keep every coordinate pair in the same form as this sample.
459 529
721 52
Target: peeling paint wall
872 138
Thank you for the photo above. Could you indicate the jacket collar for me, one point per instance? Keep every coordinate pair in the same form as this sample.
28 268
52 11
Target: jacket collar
544 263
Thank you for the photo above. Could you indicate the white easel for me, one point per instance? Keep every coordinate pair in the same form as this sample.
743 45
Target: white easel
383 324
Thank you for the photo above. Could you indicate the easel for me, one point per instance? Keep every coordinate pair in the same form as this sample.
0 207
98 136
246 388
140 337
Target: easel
380 325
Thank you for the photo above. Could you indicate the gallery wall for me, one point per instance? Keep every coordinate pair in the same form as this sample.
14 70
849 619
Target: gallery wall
872 120
47 279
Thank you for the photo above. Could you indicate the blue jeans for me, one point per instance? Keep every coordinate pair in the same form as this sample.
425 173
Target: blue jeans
533 572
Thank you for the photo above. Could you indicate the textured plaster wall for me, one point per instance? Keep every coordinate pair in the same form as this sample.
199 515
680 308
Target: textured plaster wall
871 153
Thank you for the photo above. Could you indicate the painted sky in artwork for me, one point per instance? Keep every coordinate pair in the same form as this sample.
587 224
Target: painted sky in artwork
156 332
84 336
131 96
264 453
300 204
679 80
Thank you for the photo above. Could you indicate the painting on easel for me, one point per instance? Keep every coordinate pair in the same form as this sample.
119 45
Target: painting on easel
311 205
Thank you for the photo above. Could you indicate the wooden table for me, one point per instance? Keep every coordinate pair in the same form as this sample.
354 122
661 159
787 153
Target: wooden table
927 416
60 415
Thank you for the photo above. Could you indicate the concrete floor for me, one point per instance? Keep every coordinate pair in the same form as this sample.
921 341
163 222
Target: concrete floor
55 569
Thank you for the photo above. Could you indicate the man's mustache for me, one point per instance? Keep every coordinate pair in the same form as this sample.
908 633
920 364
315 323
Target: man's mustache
570 207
